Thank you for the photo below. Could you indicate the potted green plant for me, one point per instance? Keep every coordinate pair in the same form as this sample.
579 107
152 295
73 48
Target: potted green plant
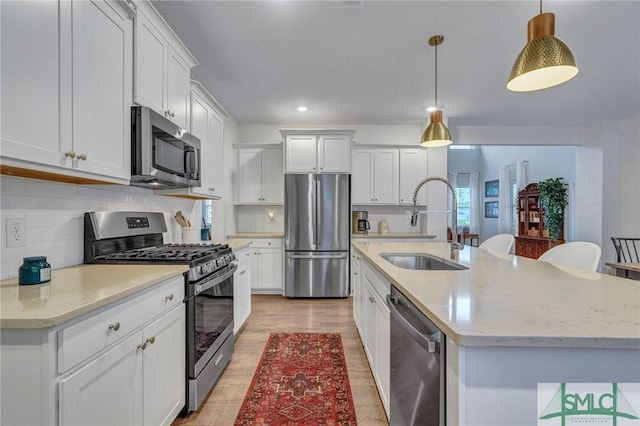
553 200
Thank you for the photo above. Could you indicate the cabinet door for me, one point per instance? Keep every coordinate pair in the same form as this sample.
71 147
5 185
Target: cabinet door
270 268
242 294
362 177
107 391
370 324
30 85
249 189
254 269
301 154
163 361
102 84
272 176
215 168
413 168
355 286
385 178
383 349
178 88
150 65
334 154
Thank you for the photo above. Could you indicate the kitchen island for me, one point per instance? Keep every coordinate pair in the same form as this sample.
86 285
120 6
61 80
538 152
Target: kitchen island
513 322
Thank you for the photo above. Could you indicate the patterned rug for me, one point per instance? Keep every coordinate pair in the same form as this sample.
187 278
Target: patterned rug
300 380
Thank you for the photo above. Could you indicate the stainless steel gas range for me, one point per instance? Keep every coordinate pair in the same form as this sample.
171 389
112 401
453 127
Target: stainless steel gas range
136 237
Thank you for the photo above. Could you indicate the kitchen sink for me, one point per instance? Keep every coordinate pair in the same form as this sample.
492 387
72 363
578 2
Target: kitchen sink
421 261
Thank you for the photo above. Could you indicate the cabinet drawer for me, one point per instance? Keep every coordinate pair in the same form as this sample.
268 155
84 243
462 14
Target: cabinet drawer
83 339
267 243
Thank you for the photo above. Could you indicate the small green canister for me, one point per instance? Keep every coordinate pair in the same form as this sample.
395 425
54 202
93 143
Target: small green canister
34 270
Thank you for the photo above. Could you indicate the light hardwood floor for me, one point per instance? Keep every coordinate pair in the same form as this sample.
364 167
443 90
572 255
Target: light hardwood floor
277 313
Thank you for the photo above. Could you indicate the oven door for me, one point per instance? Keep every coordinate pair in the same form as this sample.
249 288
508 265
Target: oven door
209 318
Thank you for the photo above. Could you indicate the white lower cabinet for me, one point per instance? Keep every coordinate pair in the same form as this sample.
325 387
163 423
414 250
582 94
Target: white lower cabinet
107 390
123 364
242 289
265 265
373 323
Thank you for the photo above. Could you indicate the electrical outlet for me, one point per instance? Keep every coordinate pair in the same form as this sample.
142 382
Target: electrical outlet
16 229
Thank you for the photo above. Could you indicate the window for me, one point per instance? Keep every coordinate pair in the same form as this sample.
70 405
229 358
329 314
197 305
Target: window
463 195
513 197
207 212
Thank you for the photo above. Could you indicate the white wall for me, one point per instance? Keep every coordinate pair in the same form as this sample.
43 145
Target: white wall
54 215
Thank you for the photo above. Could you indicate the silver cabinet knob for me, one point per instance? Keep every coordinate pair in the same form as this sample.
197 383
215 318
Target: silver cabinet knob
169 297
115 326
142 346
70 154
82 157
212 190
151 340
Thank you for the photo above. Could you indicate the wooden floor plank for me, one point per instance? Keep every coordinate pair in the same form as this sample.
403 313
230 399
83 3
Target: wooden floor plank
276 313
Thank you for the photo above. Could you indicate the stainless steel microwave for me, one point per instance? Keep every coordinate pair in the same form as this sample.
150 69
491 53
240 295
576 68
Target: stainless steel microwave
163 155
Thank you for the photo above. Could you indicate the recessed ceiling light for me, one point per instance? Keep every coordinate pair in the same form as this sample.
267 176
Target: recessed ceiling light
302 108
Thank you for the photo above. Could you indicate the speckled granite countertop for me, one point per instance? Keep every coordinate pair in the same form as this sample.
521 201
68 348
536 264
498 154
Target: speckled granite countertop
506 300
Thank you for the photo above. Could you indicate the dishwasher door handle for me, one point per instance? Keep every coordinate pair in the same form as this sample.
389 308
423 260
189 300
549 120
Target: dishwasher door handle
430 345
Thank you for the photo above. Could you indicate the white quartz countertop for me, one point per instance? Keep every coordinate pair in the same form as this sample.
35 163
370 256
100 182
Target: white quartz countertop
256 235
74 291
506 300
392 235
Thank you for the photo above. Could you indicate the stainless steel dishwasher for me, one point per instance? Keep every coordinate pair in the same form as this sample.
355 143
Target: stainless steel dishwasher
417 366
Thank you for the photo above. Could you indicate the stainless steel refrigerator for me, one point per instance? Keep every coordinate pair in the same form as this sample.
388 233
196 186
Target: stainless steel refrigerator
317 233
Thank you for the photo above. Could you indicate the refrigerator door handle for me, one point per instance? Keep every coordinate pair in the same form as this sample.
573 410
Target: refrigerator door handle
317 256
314 210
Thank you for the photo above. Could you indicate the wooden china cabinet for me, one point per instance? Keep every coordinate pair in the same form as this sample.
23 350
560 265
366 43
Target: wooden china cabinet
532 240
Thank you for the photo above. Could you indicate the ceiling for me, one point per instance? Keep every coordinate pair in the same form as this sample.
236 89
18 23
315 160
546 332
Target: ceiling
369 62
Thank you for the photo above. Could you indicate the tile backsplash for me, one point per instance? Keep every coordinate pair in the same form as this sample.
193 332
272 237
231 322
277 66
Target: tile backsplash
54 212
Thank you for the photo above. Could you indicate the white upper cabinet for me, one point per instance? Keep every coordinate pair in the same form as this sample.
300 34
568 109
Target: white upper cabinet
317 153
413 168
162 67
70 72
259 176
374 178
301 154
208 126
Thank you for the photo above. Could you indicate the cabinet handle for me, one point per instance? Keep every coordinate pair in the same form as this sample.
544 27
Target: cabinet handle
355 273
151 340
70 154
169 297
142 346
114 326
242 272
167 113
371 299
372 199
82 157
212 190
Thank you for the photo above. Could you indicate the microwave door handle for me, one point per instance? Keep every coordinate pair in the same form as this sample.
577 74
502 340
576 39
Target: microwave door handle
189 163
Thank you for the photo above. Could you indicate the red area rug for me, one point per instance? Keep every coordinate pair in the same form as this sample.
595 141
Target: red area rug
300 380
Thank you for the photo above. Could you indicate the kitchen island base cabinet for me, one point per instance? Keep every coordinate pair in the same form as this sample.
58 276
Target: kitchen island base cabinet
137 378
498 385
373 323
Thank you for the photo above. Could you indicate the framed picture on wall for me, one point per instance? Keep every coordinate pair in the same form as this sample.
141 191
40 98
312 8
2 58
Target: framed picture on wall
491 209
491 188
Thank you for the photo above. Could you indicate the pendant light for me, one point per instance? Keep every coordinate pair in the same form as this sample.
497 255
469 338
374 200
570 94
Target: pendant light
545 61
437 133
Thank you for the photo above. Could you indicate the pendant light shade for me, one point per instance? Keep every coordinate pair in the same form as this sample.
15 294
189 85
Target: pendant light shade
545 61
436 134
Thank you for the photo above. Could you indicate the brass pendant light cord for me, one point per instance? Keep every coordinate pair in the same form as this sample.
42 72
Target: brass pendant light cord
436 75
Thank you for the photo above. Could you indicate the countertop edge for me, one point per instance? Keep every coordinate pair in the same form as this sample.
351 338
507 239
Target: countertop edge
53 321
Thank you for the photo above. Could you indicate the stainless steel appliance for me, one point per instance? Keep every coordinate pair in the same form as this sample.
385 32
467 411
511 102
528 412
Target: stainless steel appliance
163 155
136 237
360 222
417 394
317 235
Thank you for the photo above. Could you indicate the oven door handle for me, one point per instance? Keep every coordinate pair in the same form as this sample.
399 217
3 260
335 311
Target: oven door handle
214 282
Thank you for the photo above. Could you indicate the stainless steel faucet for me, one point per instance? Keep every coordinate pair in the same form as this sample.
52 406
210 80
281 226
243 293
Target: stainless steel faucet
455 245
